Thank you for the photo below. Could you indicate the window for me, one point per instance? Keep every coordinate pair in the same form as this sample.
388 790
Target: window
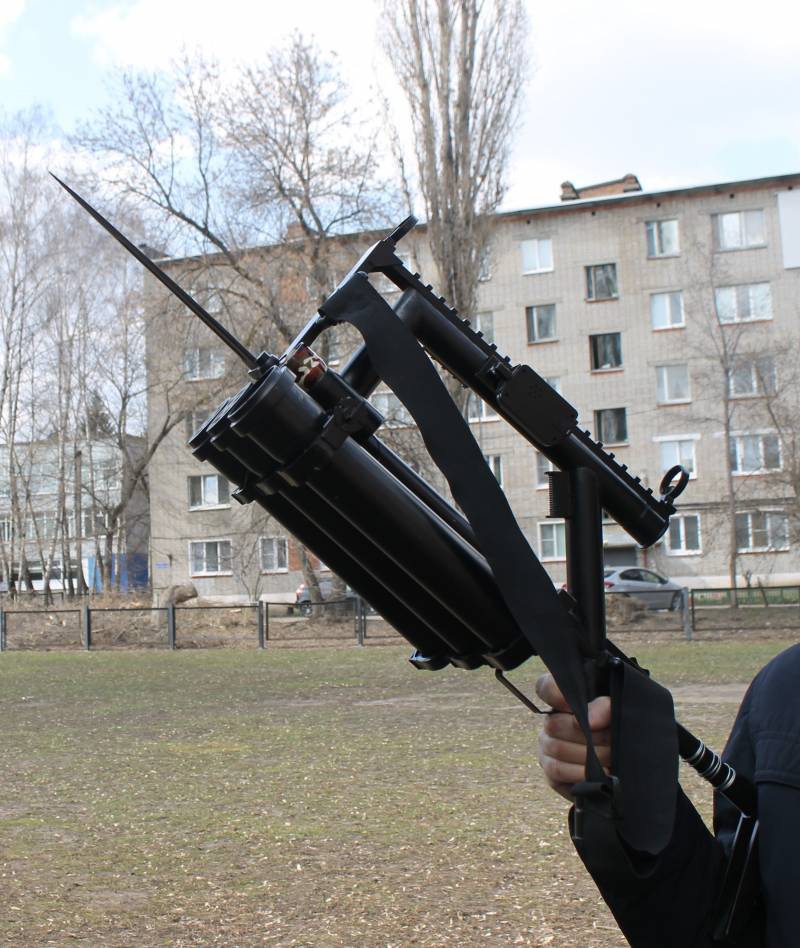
485 265
94 526
738 229
394 412
107 474
541 322
537 255
755 453
213 292
684 534
606 351
552 541
484 323
672 383
601 282
6 529
274 553
611 425
210 557
743 304
761 530
495 462
752 377
543 465
45 522
208 490
478 409
203 364
679 451
195 421
666 310
662 238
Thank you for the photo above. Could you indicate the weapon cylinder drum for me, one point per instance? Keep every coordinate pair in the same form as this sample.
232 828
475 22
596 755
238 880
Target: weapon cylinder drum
309 532
381 508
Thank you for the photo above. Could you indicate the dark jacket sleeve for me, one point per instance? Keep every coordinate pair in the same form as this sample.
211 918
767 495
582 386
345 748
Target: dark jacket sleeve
674 904
671 903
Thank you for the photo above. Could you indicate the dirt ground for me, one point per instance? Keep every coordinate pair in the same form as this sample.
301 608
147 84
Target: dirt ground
300 797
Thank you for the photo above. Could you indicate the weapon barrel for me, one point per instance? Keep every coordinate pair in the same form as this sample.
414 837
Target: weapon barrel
380 537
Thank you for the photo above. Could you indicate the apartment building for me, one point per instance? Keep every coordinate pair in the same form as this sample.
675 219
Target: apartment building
54 516
670 319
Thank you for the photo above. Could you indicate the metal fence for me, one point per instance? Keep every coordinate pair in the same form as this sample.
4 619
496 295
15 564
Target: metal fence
700 613
707 612
250 625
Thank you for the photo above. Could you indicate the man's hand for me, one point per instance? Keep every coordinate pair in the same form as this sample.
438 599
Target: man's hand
562 746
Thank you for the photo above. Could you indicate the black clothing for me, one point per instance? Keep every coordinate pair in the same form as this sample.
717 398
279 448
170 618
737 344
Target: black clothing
674 905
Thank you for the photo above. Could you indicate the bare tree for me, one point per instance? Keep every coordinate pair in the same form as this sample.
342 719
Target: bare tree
462 66
257 178
746 392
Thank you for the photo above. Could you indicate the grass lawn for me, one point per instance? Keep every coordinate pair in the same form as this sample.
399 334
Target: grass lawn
299 797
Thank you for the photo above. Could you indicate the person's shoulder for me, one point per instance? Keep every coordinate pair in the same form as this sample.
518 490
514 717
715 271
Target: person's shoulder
784 663
778 680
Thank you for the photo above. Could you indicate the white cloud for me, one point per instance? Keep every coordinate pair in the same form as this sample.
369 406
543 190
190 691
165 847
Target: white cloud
688 93
150 33
10 12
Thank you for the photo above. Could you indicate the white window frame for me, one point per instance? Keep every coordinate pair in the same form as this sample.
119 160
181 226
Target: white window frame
558 539
605 368
532 323
485 265
667 294
536 254
663 385
495 462
679 520
206 572
750 224
193 372
202 478
756 375
485 410
740 314
543 465
766 513
276 542
484 323
591 283
680 441
654 234
738 438
599 434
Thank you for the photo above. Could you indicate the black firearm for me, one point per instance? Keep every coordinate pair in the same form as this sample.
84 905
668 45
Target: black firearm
465 589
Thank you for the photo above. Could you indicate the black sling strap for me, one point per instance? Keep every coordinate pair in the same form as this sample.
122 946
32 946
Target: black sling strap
528 591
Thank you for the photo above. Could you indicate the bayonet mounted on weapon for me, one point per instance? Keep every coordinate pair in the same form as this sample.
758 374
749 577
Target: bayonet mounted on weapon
254 363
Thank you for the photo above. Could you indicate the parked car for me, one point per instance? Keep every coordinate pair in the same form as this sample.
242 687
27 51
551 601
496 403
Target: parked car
305 606
651 588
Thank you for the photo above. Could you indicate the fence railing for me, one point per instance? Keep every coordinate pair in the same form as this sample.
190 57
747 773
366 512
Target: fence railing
699 612
91 627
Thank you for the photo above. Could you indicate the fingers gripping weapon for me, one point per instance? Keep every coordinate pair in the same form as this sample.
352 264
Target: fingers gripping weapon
462 585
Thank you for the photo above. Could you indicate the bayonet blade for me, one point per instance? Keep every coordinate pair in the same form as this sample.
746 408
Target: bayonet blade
188 301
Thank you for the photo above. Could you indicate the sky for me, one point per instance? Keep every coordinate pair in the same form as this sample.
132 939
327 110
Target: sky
686 93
